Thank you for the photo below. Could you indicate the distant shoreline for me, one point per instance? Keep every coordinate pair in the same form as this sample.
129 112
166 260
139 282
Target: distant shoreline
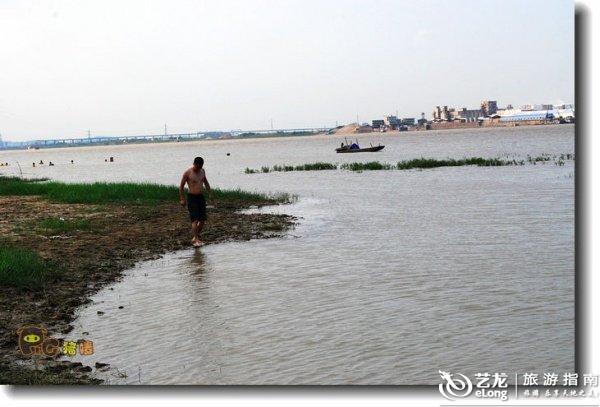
156 139
457 126
343 130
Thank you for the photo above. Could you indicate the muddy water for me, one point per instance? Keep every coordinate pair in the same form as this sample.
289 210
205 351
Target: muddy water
390 275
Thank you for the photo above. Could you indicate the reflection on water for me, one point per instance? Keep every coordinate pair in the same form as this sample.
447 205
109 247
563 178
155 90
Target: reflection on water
390 275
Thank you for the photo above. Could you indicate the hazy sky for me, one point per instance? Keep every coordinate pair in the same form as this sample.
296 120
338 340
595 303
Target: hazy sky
129 67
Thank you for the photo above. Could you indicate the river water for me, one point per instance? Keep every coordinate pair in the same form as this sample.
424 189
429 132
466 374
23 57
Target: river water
388 277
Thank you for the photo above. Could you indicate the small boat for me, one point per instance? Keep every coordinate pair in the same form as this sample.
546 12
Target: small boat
355 148
346 149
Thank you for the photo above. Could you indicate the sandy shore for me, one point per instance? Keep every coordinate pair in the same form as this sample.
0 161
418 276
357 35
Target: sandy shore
120 235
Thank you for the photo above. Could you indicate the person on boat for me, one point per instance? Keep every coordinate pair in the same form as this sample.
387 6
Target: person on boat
195 177
354 146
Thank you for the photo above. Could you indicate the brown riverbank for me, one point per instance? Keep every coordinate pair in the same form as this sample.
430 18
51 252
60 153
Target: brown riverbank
116 236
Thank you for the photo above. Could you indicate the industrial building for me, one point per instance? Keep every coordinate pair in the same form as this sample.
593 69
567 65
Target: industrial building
377 124
392 122
567 114
489 108
527 115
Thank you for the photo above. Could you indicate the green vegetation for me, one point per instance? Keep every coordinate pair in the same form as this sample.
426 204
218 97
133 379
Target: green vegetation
567 156
318 166
13 376
103 193
373 165
433 163
23 268
60 225
417 163
376 165
558 160
240 195
541 158
285 168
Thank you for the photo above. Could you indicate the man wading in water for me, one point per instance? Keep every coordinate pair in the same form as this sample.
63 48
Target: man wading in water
196 204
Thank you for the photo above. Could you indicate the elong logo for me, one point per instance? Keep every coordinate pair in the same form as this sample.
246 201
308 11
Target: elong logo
455 387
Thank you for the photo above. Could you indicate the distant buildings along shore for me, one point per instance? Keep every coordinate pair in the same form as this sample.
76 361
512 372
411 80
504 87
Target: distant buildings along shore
443 117
489 110
488 114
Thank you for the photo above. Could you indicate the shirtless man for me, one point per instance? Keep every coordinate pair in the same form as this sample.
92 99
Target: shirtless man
196 204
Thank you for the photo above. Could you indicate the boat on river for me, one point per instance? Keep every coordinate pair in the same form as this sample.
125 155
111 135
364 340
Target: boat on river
355 148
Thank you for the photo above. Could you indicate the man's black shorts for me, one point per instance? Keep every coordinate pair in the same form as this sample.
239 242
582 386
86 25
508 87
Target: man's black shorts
196 206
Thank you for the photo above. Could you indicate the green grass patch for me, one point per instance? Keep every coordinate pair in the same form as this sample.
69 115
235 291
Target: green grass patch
318 166
434 163
370 166
60 225
540 158
23 268
421 163
280 168
104 193
240 195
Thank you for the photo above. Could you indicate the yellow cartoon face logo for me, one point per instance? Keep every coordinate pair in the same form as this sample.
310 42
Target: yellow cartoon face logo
31 338
34 341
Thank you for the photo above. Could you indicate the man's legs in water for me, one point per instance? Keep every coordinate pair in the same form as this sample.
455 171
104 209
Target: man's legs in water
194 232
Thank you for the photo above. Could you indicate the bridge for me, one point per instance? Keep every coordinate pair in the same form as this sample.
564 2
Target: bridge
156 138
313 130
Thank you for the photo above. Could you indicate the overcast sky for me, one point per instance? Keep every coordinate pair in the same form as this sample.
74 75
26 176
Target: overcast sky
129 67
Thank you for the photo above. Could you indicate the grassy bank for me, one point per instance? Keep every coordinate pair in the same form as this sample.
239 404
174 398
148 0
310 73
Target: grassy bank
104 193
24 269
55 225
417 163
63 242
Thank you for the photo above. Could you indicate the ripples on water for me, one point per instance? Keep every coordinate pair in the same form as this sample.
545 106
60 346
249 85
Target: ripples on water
390 275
